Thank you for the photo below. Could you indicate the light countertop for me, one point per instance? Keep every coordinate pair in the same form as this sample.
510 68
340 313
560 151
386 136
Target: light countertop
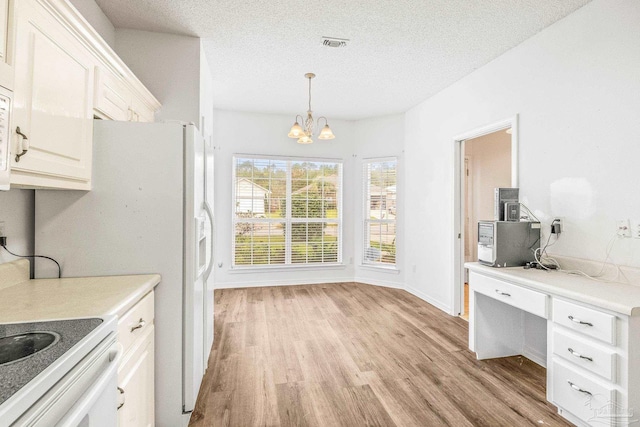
46 299
616 297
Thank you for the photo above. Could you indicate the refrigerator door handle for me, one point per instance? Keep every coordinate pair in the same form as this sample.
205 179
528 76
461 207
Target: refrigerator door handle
207 209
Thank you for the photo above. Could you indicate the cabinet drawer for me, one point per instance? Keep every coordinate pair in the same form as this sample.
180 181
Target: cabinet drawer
586 353
135 322
585 398
585 320
517 296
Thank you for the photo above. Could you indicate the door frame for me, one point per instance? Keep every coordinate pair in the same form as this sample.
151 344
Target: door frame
457 302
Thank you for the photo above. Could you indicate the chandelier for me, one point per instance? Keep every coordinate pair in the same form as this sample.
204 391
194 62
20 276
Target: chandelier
304 135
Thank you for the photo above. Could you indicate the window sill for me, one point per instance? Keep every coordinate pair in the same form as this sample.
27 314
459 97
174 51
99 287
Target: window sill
380 268
286 268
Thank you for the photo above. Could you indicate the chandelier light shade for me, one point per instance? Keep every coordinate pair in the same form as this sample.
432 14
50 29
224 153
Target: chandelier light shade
304 133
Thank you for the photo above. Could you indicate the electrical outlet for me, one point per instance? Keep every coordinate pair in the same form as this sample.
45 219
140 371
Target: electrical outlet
623 227
557 226
2 230
635 229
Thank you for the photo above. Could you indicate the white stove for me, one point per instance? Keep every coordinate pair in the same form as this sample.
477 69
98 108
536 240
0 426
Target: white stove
67 380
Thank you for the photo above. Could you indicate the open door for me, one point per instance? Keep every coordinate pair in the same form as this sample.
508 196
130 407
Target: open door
486 158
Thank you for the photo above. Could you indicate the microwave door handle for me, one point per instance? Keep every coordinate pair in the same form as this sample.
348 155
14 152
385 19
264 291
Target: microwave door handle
207 209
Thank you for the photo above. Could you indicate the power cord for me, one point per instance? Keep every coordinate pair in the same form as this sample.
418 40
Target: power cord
3 243
530 216
554 264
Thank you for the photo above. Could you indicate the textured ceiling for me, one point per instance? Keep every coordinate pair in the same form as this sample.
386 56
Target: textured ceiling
401 52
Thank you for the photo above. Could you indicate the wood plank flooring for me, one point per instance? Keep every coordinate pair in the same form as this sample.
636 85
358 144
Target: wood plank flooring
347 354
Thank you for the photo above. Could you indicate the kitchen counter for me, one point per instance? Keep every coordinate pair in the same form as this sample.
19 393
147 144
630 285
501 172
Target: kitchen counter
616 297
45 299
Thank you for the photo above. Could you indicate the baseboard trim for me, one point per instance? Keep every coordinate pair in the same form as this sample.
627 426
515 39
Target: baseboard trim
261 284
438 304
535 356
376 282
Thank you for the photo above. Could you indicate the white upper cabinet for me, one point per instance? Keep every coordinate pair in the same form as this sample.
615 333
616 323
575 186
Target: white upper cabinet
119 98
112 99
53 103
6 47
63 74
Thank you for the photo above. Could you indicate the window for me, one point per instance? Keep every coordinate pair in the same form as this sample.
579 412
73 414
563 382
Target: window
287 211
380 186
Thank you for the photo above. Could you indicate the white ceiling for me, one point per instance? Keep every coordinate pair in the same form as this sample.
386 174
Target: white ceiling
401 52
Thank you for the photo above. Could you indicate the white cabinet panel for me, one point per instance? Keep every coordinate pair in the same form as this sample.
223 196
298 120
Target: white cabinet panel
7 24
135 322
135 380
4 28
586 353
140 111
582 396
112 98
53 102
136 371
517 296
593 323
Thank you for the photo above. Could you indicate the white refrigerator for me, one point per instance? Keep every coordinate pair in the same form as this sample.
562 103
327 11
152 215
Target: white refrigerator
149 211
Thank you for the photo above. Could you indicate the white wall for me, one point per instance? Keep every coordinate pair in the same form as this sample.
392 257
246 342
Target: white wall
169 66
253 133
576 89
16 210
98 20
206 96
378 137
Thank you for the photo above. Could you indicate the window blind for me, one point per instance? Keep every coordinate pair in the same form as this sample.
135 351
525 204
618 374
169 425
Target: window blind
380 189
287 211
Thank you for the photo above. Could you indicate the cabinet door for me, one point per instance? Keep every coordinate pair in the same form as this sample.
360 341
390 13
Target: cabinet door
141 111
112 99
53 104
6 38
135 379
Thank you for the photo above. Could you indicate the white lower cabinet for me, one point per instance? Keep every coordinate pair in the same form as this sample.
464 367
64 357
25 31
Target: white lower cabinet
587 398
136 369
593 379
592 353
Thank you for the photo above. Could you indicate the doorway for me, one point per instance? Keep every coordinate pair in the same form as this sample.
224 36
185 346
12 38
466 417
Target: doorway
486 159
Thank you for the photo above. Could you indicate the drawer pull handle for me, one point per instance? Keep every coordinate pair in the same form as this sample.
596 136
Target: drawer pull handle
574 320
576 388
499 292
576 354
123 398
140 324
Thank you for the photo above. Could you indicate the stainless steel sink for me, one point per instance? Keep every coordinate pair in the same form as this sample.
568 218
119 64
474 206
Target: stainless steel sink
20 346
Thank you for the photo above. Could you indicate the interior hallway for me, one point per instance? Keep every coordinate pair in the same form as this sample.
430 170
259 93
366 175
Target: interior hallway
349 354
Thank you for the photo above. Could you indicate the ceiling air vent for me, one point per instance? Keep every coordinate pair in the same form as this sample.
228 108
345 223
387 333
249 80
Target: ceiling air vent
334 42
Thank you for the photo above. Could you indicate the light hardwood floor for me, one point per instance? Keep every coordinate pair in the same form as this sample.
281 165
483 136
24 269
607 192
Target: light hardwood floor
347 354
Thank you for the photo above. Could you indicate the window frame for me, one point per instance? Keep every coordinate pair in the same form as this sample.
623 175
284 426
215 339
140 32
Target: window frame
366 219
287 219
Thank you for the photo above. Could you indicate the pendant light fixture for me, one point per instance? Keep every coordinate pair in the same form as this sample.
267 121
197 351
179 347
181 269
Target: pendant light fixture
305 135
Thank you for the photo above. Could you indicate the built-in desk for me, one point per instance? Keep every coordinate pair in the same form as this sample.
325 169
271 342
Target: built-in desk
586 333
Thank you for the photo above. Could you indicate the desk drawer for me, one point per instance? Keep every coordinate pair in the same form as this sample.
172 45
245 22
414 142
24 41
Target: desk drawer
585 320
583 397
526 299
586 353
134 323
